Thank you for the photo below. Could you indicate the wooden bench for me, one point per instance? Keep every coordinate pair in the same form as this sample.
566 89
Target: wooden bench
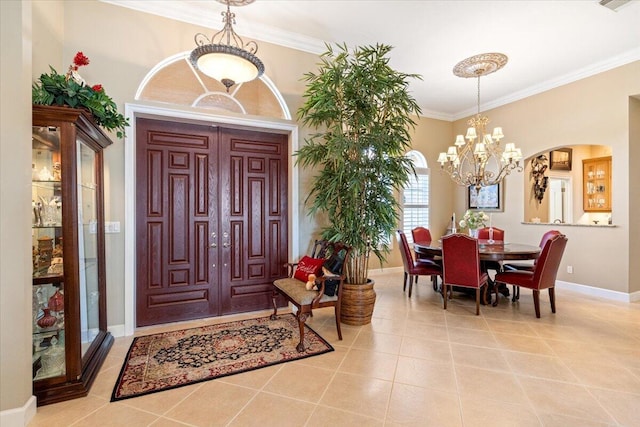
295 292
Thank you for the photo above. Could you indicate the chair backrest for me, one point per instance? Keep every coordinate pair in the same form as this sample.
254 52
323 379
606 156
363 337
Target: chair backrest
460 261
546 236
405 251
498 234
421 234
546 269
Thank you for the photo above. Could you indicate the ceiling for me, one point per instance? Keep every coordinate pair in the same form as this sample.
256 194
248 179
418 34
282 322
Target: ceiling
549 43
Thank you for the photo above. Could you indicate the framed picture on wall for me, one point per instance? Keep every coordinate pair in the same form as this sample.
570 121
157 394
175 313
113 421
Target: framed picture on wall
560 159
489 198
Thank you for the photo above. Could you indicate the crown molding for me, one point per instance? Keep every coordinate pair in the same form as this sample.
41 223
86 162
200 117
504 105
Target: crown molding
591 70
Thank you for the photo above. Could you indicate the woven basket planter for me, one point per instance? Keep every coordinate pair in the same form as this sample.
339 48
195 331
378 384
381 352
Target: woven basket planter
357 303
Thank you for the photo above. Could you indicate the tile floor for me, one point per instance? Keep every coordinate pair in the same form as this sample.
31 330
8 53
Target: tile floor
414 365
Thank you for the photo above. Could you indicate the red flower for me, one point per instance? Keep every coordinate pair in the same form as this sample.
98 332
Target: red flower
79 60
97 88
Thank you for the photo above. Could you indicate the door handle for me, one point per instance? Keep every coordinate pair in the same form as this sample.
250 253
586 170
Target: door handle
226 245
214 244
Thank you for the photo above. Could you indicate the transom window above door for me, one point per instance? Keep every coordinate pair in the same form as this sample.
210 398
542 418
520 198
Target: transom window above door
176 82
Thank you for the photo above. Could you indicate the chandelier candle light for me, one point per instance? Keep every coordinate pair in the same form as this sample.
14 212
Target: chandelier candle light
482 163
225 57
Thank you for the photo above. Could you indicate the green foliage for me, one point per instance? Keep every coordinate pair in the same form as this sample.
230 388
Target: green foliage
365 112
57 89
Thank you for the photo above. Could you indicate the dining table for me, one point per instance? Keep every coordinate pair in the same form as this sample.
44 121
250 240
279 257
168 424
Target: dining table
488 251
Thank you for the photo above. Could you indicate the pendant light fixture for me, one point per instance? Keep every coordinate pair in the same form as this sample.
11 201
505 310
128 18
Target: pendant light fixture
225 57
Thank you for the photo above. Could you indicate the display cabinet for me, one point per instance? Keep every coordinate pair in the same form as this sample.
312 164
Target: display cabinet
70 338
596 181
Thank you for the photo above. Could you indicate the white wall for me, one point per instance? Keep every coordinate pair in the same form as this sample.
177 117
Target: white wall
16 405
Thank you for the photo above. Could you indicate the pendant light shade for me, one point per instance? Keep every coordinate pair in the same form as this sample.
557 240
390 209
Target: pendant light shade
225 57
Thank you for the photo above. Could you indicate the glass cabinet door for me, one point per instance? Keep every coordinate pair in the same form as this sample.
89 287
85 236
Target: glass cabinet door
88 245
48 280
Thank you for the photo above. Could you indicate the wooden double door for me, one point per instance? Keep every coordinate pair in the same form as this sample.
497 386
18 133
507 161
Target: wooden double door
211 219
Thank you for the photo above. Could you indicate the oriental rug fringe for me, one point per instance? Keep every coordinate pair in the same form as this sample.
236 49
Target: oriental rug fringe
174 359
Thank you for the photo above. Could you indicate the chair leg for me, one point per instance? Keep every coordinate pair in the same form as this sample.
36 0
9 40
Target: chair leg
552 299
495 288
434 281
477 301
338 321
516 293
411 277
302 317
444 294
536 302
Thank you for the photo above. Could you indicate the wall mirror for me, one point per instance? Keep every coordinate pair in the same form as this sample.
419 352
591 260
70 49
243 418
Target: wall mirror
555 189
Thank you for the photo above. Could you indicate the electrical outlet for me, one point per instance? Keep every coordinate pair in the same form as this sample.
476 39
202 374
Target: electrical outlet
112 227
570 269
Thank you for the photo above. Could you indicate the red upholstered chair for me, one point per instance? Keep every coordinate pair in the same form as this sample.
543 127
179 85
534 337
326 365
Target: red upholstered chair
461 265
412 268
422 234
498 234
543 275
527 266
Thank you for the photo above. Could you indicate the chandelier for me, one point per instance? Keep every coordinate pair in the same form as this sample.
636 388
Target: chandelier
225 57
483 162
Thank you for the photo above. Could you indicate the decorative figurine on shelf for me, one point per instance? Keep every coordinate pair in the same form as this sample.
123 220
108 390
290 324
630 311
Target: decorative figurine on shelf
57 249
37 213
45 250
57 171
45 174
56 301
45 319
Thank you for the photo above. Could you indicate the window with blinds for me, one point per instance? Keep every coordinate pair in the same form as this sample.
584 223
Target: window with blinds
415 197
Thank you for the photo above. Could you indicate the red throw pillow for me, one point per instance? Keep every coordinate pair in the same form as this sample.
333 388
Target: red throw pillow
307 266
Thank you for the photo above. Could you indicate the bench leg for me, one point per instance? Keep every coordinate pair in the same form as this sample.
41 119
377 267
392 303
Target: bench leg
274 295
302 317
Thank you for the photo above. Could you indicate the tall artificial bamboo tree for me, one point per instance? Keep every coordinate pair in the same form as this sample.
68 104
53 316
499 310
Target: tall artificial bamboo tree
362 111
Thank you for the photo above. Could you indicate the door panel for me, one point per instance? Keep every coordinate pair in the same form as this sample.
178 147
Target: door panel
211 220
175 177
255 217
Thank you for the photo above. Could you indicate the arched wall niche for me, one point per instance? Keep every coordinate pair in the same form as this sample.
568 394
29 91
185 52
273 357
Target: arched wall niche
175 81
562 199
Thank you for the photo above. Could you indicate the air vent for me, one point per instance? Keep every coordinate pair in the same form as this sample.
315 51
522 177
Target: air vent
613 4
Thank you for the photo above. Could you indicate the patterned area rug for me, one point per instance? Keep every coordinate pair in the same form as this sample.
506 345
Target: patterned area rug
173 359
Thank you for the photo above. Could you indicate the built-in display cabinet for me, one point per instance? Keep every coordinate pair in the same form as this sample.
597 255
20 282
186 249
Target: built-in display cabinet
70 338
596 184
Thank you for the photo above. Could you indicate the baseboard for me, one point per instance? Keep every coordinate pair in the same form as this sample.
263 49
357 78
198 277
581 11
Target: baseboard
599 292
116 330
19 417
575 287
387 270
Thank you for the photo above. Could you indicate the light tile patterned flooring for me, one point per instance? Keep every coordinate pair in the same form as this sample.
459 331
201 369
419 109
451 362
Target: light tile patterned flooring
414 365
